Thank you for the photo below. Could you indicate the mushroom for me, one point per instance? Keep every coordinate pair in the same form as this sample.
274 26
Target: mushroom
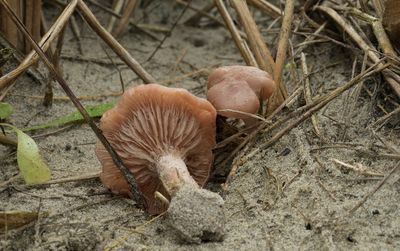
239 88
232 95
259 81
164 136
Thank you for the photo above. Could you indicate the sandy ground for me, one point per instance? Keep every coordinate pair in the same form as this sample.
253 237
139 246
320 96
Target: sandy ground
289 196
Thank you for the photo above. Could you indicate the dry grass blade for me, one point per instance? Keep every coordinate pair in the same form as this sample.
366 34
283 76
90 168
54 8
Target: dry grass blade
124 21
267 7
117 7
348 28
244 113
257 44
316 106
377 28
308 94
385 118
377 187
239 41
117 160
81 177
113 43
357 168
199 13
44 43
247 142
281 92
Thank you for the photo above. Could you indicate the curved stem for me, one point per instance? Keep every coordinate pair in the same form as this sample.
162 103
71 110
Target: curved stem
173 173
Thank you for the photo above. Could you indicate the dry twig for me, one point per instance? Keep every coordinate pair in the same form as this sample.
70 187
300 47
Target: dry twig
117 160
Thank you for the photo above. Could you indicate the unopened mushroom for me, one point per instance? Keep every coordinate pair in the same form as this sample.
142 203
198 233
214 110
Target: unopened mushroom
165 137
259 81
239 88
234 98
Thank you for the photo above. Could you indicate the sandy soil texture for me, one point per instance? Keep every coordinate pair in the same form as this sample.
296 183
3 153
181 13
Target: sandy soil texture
292 195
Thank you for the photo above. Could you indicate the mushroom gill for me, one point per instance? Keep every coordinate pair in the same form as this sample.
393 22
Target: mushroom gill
164 136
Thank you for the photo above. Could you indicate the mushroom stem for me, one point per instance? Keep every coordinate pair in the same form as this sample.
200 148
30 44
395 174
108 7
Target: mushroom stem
173 173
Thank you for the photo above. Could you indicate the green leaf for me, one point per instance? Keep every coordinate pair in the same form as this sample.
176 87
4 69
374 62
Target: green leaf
5 110
33 168
75 117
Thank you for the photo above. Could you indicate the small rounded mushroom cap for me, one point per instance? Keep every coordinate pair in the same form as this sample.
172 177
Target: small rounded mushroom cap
260 81
151 121
234 95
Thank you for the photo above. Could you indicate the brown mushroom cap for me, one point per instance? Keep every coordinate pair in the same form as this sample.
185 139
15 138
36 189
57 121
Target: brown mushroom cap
260 81
148 122
234 95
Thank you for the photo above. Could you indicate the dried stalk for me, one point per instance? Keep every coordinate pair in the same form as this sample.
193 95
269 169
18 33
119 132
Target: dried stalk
117 7
316 106
36 19
117 160
124 21
257 44
267 7
113 43
308 94
8 27
240 43
379 185
378 5
377 28
348 28
28 21
44 43
281 92
199 13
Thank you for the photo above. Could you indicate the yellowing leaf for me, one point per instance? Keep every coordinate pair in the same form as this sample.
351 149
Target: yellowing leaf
32 166
15 219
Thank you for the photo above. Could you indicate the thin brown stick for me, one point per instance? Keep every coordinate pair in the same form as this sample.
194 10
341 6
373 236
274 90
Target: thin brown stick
316 106
384 118
257 44
76 32
45 42
48 95
378 5
117 7
81 177
28 21
267 7
348 28
251 138
36 19
373 191
281 93
113 43
200 13
308 94
117 160
358 168
239 41
7 141
377 28
124 21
